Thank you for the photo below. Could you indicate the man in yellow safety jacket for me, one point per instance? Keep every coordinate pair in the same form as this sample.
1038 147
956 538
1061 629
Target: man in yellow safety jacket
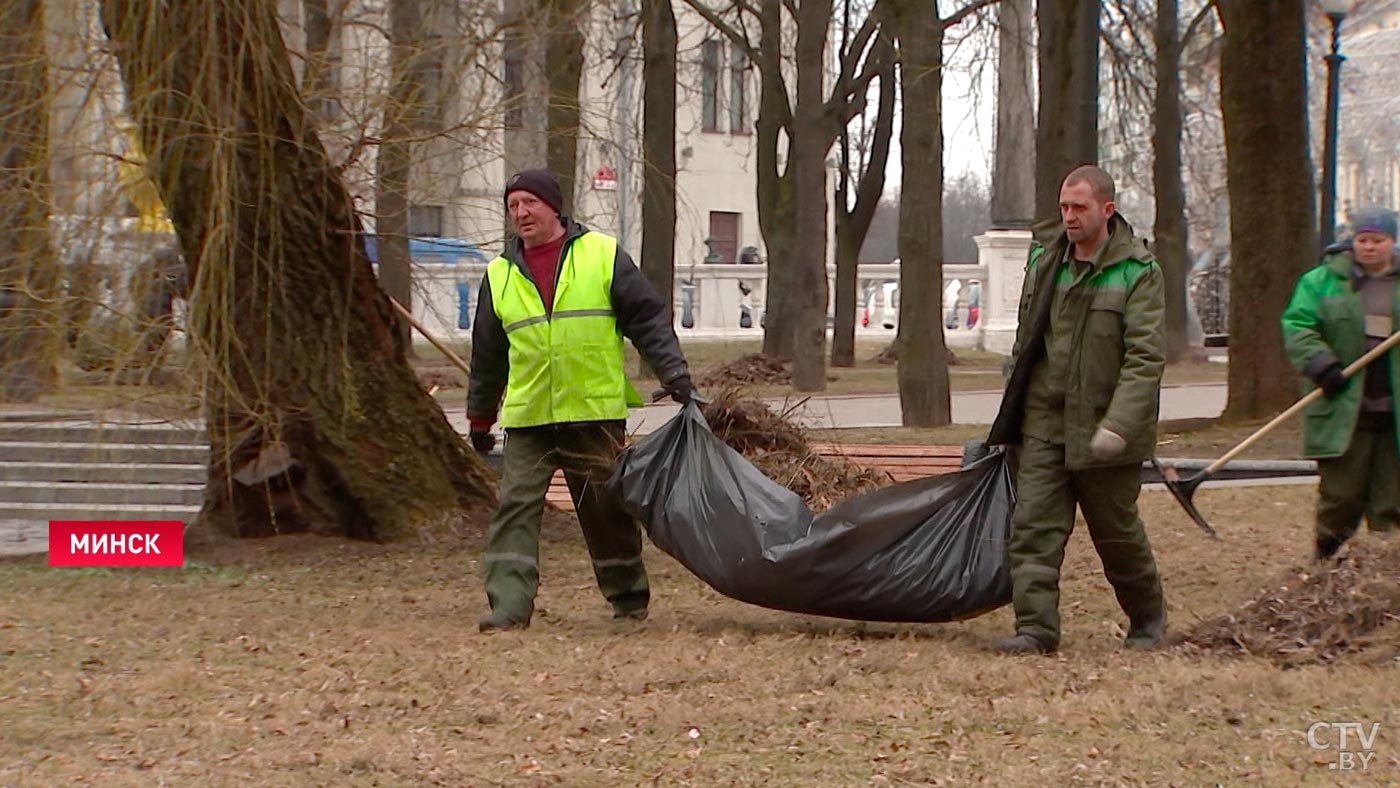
547 360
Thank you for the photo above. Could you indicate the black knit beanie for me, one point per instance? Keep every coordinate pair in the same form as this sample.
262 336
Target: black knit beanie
540 183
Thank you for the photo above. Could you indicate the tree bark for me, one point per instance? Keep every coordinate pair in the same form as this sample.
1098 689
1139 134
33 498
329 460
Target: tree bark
1013 180
853 223
394 165
776 190
30 334
923 353
659 60
808 153
1068 131
316 422
563 61
316 76
1273 237
1169 226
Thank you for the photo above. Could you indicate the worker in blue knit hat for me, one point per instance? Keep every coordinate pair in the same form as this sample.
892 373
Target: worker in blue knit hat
1340 309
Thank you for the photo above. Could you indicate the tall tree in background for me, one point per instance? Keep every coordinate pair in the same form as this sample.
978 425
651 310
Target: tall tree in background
1169 225
1273 235
563 62
856 204
659 48
1067 133
29 334
922 350
316 421
395 162
316 75
1013 180
792 190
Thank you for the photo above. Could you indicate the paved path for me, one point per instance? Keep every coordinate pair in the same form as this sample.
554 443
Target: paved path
1205 400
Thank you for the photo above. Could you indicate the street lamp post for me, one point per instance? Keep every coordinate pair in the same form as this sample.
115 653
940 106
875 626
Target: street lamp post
1336 12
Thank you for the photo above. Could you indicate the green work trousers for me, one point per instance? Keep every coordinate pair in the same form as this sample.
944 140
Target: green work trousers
1046 495
587 453
1365 480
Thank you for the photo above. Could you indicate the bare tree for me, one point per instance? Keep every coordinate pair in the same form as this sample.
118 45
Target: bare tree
792 190
967 213
563 62
1273 239
659 63
402 107
29 334
1013 181
316 422
1169 224
1068 132
855 205
923 352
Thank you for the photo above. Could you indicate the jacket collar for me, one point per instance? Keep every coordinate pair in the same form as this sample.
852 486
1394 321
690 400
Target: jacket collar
1120 245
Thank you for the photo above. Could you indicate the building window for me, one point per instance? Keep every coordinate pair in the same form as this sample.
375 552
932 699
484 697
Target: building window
724 236
738 92
425 221
709 84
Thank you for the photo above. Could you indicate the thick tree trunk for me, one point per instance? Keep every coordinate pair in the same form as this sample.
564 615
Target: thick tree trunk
1273 237
30 335
1068 131
776 190
1169 227
659 44
316 422
1013 181
563 61
808 150
394 165
923 354
853 224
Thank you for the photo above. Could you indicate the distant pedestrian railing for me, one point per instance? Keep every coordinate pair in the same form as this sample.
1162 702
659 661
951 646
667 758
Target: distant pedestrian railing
712 299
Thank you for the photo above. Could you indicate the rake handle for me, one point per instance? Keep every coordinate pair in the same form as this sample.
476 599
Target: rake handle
1351 369
446 351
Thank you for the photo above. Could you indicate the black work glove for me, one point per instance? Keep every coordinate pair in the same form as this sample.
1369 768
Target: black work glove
1332 381
681 390
482 441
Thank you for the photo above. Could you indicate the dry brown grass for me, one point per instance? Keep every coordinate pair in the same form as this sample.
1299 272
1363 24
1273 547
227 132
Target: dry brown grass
304 662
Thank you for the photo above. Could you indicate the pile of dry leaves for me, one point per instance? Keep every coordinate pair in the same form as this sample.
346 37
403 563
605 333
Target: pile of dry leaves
779 448
753 368
1316 614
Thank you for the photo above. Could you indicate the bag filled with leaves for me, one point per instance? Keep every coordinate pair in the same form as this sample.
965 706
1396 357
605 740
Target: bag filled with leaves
929 550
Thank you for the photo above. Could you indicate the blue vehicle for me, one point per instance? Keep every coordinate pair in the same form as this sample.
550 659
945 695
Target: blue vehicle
440 250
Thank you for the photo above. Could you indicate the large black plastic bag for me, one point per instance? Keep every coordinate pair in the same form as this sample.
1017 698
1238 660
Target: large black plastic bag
929 550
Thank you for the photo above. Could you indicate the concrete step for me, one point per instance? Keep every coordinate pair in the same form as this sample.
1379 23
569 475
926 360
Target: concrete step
143 434
107 511
81 493
76 452
104 472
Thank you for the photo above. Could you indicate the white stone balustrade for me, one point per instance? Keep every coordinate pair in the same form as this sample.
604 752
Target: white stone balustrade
716 298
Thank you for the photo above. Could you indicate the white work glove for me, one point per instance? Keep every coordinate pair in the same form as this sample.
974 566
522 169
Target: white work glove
1106 444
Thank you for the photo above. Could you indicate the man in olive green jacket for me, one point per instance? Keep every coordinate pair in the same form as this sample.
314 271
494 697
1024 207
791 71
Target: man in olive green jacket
1081 403
1345 306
